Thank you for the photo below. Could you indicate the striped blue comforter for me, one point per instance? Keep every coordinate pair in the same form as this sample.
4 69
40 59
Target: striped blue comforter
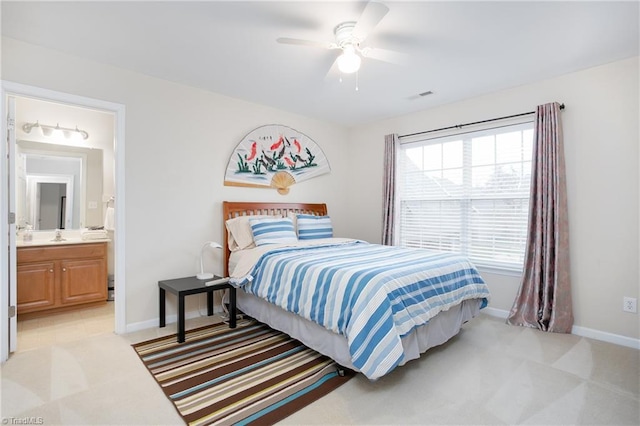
371 294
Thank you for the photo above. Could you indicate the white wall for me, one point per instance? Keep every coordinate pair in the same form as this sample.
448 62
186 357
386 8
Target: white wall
601 149
178 142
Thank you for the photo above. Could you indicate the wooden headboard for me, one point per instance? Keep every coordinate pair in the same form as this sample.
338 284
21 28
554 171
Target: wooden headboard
231 209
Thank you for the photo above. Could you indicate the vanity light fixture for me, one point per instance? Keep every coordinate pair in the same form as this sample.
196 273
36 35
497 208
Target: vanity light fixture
206 275
56 130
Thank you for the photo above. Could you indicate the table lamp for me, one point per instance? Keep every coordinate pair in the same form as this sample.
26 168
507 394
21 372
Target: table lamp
206 275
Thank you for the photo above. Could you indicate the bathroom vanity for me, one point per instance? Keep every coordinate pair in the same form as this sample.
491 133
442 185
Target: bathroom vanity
56 276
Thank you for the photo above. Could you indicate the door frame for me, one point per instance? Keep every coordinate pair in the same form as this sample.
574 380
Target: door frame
7 245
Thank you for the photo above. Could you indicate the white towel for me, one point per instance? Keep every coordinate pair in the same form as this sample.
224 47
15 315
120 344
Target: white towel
109 219
94 234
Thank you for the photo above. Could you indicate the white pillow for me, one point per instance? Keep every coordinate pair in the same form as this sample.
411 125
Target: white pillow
239 231
312 227
294 218
273 231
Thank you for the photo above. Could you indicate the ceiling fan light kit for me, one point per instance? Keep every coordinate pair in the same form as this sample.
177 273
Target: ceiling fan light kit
349 62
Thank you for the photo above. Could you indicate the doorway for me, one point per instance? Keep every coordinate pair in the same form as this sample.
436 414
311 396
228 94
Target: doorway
47 197
64 198
50 208
60 185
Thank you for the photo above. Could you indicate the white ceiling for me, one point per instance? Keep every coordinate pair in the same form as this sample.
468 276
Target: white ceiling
456 49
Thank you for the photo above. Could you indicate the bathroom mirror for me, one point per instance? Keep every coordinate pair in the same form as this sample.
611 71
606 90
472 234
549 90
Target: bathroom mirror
58 186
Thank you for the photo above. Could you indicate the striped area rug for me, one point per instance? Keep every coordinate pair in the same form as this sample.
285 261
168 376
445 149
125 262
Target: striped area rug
248 375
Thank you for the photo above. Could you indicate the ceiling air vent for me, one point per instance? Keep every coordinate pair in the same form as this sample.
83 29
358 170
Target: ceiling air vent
427 93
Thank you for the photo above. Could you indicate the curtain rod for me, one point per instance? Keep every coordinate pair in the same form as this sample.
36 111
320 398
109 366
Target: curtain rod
458 126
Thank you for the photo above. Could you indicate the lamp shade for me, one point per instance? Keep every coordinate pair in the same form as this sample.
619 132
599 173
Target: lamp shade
206 275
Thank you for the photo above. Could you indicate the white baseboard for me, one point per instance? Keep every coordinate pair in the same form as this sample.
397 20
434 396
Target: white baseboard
498 313
606 337
143 325
580 331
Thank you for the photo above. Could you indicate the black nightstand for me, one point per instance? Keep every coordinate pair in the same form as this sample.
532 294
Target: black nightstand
182 287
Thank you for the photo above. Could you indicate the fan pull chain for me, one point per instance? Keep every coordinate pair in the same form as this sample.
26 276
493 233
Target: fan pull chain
357 88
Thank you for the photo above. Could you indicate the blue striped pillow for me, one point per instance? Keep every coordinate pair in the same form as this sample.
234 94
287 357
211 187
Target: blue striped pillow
273 231
311 227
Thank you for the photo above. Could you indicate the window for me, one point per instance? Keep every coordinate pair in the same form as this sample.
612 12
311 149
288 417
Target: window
468 193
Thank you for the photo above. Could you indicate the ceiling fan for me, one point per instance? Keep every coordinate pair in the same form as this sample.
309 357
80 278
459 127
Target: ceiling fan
349 37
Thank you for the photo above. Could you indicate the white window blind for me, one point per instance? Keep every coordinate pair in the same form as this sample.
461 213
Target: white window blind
468 193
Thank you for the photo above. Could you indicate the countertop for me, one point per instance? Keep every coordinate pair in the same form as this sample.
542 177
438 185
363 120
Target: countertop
46 238
39 243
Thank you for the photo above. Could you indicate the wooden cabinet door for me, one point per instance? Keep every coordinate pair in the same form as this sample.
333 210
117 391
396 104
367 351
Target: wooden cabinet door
36 289
83 280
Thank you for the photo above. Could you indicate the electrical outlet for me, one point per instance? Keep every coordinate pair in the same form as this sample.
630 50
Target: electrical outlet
630 304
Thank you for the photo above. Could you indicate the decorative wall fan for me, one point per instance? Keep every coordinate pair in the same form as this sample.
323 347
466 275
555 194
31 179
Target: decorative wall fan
275 156
349 38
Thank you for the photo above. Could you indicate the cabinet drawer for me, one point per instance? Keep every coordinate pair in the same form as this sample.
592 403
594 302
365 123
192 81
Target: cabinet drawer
71 251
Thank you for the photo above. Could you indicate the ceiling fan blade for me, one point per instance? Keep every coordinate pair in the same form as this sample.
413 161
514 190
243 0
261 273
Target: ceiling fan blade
300 42
371 16
384 55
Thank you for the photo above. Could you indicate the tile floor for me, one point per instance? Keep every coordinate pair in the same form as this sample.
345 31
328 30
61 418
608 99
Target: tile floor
65 326
491 373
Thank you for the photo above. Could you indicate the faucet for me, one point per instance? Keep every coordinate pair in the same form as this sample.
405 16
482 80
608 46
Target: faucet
58 236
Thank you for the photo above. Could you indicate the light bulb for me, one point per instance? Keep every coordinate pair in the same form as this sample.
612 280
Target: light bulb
349 61
57 132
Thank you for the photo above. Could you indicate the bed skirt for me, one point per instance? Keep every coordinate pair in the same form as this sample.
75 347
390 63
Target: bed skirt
441 328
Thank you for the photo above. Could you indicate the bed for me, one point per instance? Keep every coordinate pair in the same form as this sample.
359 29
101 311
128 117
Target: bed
340 297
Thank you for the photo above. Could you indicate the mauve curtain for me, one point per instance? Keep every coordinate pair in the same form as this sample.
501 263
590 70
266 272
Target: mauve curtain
544 297
389 188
